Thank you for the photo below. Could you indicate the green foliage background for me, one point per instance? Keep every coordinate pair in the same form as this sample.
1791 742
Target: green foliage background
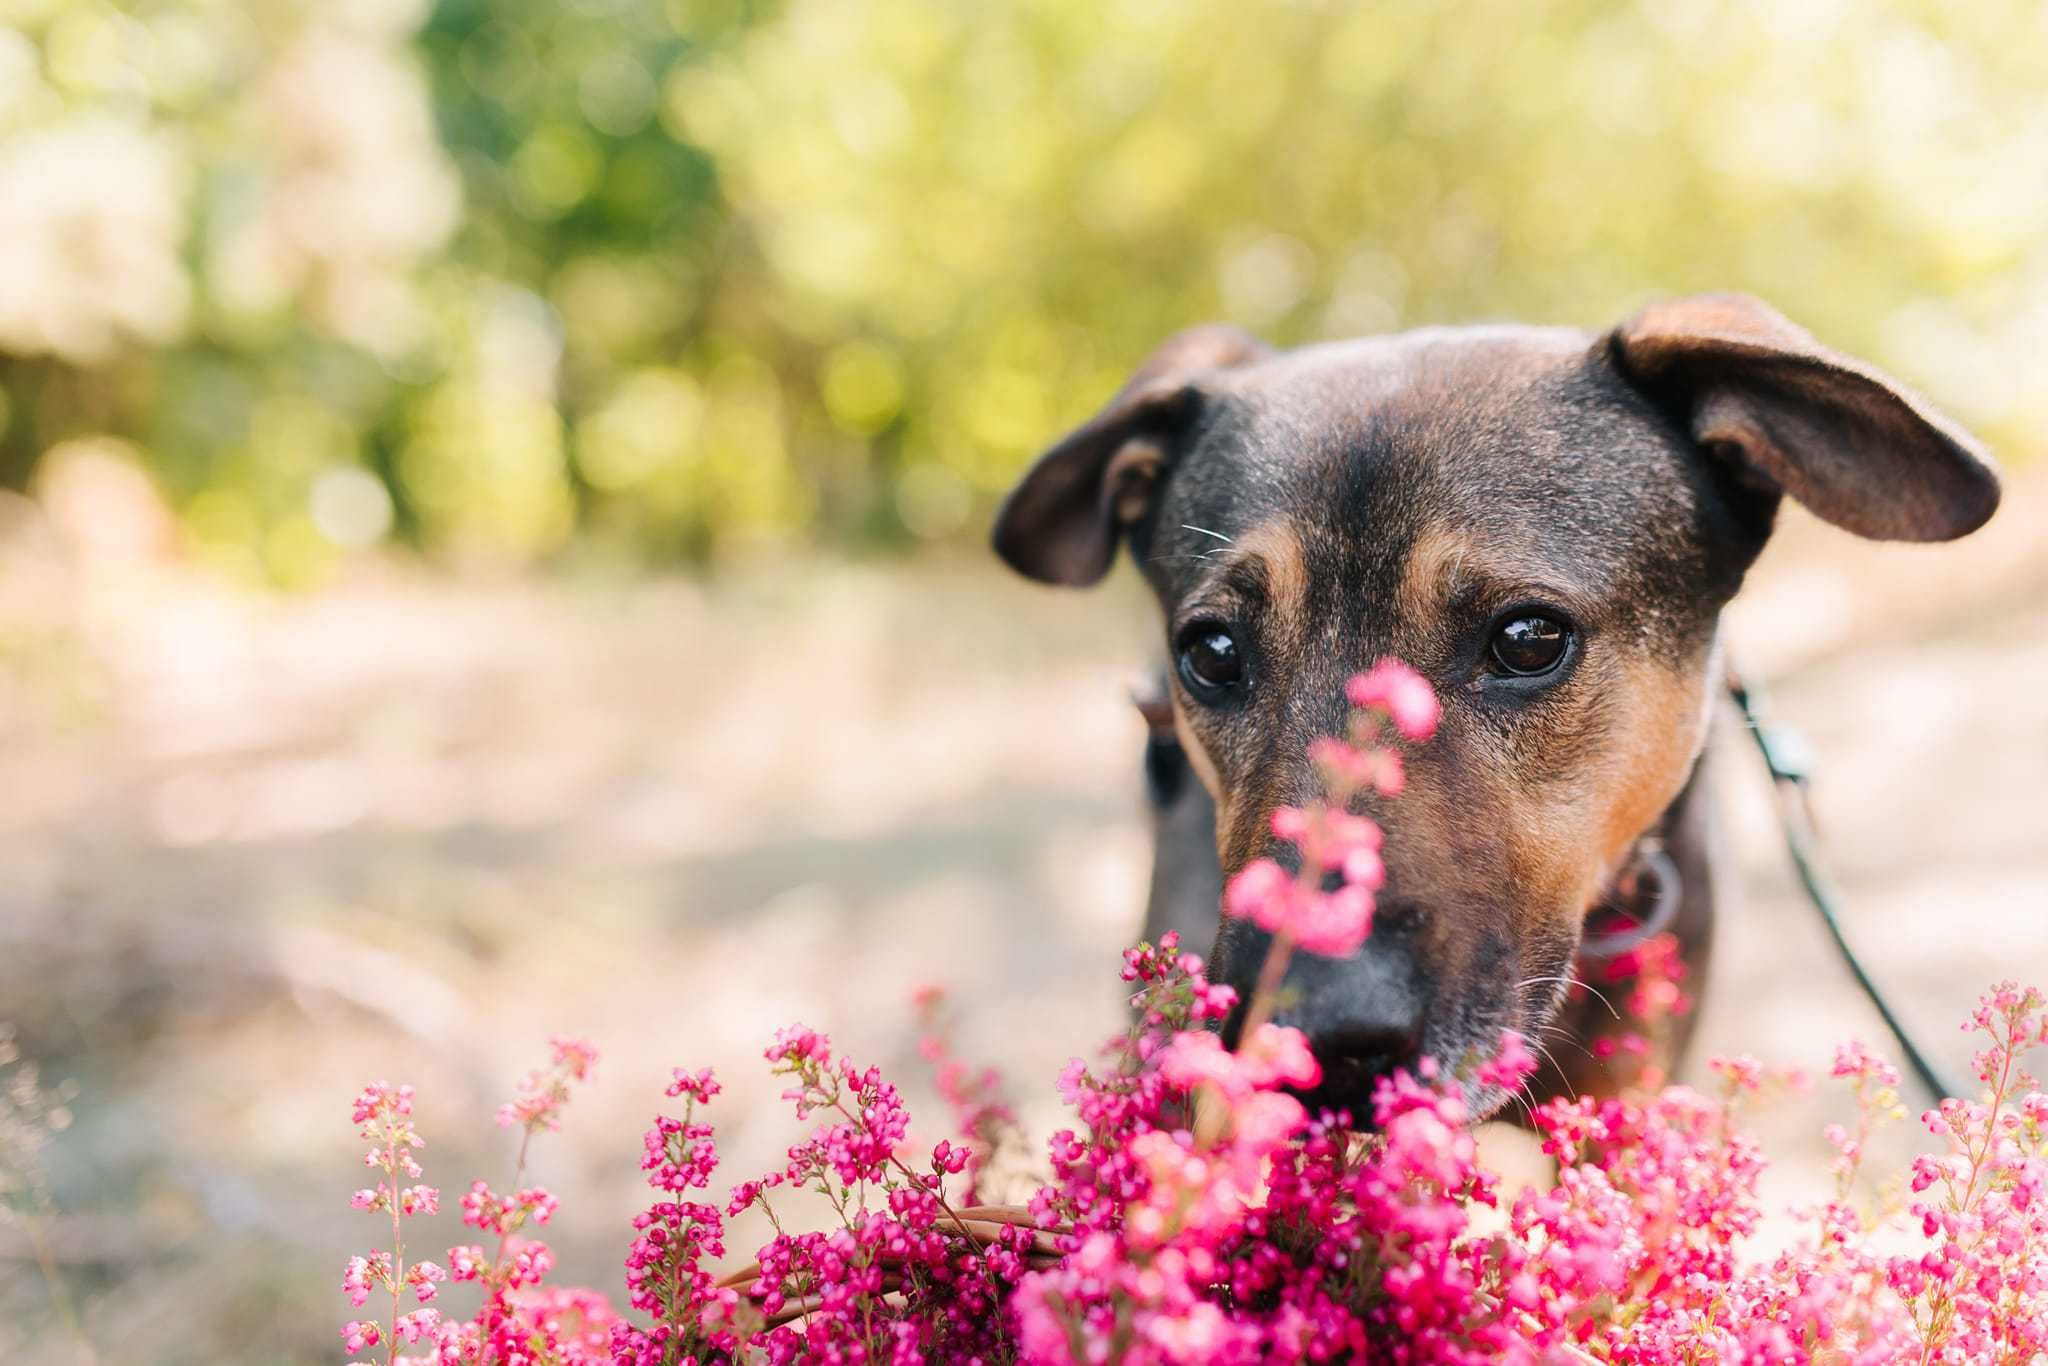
678 279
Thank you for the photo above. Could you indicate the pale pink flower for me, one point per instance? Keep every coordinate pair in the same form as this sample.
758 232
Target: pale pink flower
1403 694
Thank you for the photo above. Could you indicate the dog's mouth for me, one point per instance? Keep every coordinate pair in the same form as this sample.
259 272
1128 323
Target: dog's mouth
1350 1080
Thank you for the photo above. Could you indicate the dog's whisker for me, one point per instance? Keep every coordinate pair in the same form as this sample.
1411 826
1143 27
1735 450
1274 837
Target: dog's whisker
1527 1109
1528 1103
1569 982
1560 1034
1543 1050
1189 526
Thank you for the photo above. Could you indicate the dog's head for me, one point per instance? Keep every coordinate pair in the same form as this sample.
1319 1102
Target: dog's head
1544 522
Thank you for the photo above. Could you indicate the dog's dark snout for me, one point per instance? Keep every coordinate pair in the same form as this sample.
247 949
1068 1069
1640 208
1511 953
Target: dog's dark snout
1364 1040
1363 1015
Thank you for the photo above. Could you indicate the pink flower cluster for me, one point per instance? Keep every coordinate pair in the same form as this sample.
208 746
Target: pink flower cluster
824 1295
517 1321
544 1092
1196 1211
383 1115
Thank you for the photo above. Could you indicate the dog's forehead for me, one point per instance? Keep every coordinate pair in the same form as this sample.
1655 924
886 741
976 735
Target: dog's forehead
1368 368
1518 442
1458 395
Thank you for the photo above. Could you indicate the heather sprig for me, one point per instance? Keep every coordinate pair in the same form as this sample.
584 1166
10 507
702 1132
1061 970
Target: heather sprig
1981 1292
32 1115
516 1321
980 1113
383 1116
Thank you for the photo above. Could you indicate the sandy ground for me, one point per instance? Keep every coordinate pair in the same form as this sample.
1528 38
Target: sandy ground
256 851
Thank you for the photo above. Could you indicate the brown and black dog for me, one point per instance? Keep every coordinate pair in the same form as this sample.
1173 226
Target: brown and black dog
1545 522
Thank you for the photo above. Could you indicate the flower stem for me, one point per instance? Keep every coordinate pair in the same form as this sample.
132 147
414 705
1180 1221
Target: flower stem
518 1180
397 1243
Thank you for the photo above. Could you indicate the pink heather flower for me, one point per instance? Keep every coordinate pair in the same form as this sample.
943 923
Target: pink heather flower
1197 1334
532 1111
1290 823
537 1203
574 1057
950 1159
1177 1243
1187 1193
1259 885
794 1044
424 1278
1277 1055
1854 1059
357 1335
364 1274
380 1100
1334 923
483 1210
416 1325
1211 1000
1362 868
544 1093
1403 694
531 1261
1510 1067
1348 769
1197 1057
699 1086
1330 923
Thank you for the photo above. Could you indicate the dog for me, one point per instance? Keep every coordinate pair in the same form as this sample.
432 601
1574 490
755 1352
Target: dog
1547 523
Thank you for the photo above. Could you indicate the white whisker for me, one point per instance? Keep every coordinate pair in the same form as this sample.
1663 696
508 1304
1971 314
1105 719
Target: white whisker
1185 526
1557 1033
1569 982
1551 1058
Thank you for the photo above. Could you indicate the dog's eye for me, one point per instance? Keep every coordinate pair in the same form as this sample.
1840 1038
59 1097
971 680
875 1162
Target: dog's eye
1210 662
1530 644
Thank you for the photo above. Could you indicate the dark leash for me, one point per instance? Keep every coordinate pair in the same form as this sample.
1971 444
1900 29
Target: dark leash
1786 756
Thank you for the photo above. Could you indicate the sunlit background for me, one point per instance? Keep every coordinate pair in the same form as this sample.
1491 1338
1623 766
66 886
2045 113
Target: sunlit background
491 497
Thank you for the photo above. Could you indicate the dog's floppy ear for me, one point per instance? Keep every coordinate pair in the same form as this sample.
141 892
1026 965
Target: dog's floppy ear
1061 522
1855 447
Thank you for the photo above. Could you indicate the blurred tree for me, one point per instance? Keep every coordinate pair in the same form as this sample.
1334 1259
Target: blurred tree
683 277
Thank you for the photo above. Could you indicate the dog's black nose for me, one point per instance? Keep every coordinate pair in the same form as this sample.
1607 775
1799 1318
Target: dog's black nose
1363 1016
1355 1054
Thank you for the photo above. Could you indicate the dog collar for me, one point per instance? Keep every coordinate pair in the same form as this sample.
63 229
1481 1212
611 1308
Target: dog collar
1633 913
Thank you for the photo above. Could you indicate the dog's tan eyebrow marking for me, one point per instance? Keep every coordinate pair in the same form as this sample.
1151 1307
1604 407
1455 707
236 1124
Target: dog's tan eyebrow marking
1434 573
1272 550
1449 569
